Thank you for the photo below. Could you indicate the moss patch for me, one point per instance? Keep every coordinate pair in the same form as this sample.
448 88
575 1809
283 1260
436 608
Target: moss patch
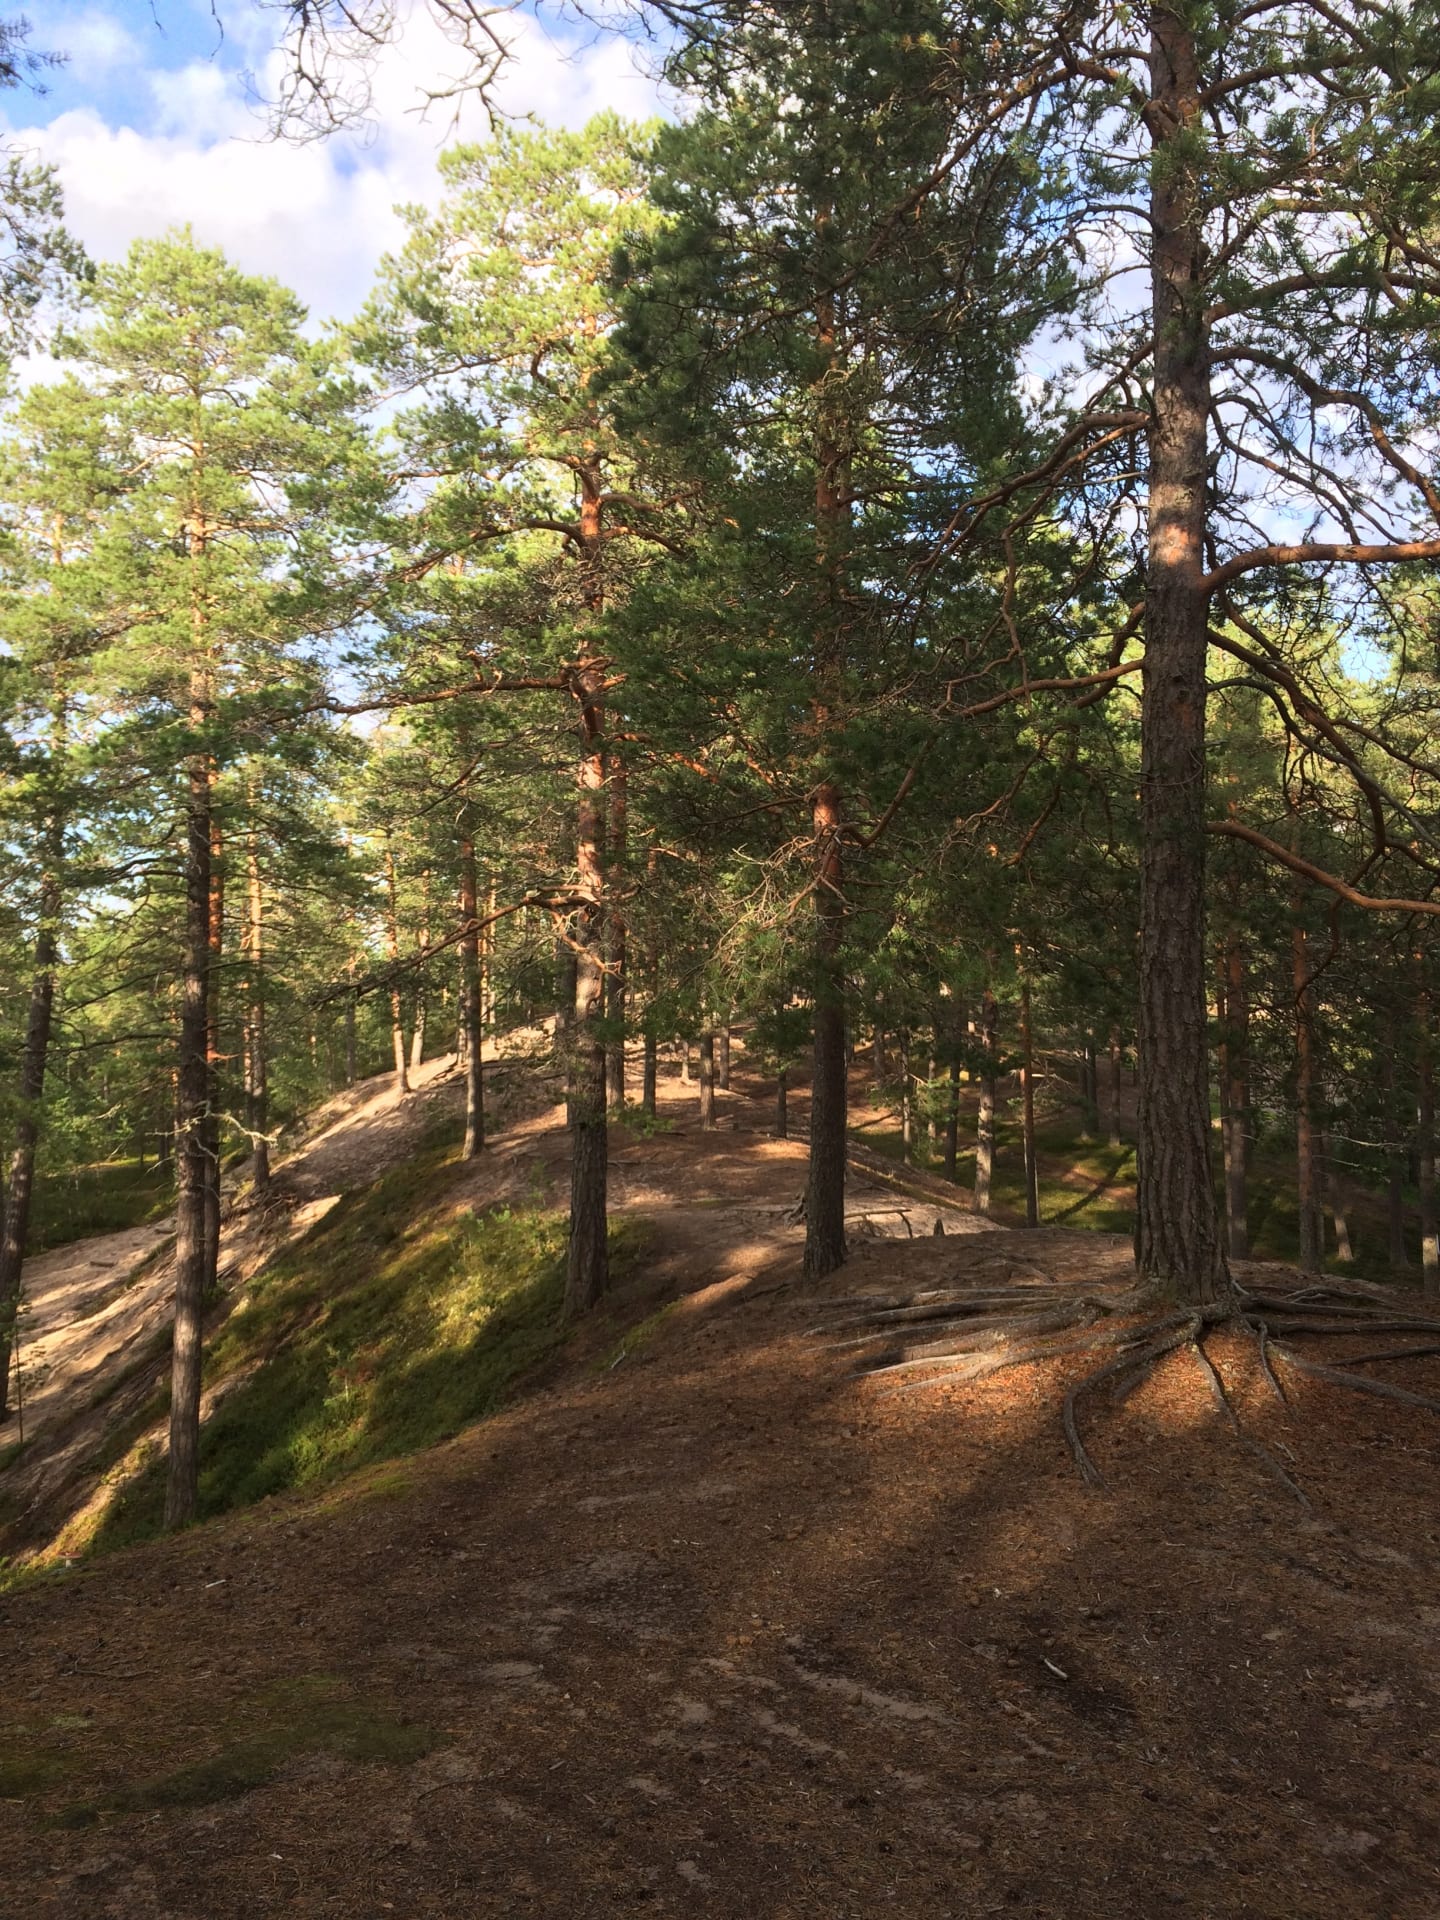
398 1320
304 1717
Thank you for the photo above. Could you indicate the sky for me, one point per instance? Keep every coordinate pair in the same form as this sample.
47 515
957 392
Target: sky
152 122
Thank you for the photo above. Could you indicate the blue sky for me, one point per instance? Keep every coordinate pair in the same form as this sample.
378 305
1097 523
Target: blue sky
152 123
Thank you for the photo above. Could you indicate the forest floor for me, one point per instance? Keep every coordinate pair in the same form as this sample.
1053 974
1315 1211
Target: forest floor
705 1623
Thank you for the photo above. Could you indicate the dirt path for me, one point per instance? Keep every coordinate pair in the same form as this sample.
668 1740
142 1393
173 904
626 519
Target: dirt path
712 1626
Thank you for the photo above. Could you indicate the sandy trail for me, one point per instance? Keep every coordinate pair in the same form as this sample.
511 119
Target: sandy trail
725 1207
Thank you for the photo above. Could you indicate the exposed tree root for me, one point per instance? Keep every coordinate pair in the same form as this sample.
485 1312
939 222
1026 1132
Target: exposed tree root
946 1334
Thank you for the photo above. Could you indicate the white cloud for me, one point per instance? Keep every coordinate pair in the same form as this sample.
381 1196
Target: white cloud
95 44
317 217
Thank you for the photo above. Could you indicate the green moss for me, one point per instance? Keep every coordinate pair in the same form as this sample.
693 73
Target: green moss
395 1322
303 1717
27 1772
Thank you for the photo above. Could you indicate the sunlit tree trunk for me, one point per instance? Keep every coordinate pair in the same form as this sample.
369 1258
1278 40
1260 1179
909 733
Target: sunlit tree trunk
422 942
216 938
257 1103
392 951
616 983
470 1000
14 1232
985 1117
1177 1240
183 1474
588 1267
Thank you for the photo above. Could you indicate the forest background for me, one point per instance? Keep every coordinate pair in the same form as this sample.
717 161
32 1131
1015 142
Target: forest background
826 562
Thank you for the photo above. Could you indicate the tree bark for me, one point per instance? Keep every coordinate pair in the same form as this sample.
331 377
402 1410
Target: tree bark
1235 1099
1307 1156
722 1059
1344 1250
985 1118
649 1072
588 1263
952 1119
707 1080
825 1188
392 950
1116 1076
829 1084
16 1224
257 1090
782 1109
470 1009
1425 1137
1177 1241
1090 1088
183 1476
1395 1195
1027 1108
351 1059
422 942
216 937
616 985
907 1103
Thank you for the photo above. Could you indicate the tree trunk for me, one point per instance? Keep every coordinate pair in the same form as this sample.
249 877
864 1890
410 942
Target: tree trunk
216 937
707 1080
1177 1240
16 1226
183 1478
1395 1195
722 1059
1307 1157
470 1005
1425 1138
952 1120
1116 1076
985 1119
825 1188
1344 1250
392 950
1235 1100
351 1062
829 1083
782 1111
615 985
257 1090
907 1105
588 1264
1027 1108
649 1071
422 943
1090 1089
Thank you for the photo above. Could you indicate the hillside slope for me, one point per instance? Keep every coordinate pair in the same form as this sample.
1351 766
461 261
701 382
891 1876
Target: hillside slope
707 1624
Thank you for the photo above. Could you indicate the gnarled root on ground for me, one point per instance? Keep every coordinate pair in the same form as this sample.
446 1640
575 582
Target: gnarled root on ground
944 1334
